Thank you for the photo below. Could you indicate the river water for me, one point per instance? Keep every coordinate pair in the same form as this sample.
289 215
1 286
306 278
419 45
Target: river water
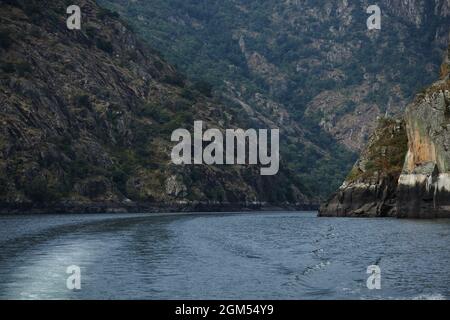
271 255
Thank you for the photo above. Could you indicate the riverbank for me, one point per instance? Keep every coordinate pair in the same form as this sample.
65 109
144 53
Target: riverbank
147 207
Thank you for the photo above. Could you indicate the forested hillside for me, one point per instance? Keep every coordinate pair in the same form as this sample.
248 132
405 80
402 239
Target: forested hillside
309 66
295 53
87 116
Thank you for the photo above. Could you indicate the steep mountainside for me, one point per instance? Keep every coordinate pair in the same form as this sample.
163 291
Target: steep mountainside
424 186
314 60
309 64
370 188
413 176
87 115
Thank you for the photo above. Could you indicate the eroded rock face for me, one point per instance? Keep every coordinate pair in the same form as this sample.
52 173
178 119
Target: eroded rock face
424 185
421 189
370 188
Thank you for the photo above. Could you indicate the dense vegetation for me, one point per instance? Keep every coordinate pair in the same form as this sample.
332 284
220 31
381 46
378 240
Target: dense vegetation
201 37
385 153
289 52
87 118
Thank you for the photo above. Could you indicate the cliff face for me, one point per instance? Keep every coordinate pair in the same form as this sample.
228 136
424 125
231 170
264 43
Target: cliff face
87 115
370 188
424 185
421 189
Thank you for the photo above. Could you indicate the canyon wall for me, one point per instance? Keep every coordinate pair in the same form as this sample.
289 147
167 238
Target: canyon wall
377 186
369 190
87 116
424 185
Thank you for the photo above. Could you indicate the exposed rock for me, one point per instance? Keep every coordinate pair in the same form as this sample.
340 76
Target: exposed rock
175 187
424 186
421 189
86 118
369 190
297 53
310 67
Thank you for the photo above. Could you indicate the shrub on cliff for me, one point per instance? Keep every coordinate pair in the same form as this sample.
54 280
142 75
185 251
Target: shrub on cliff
40 191
104 45
156 112
3 186
203 87
5 40
21 67
175 79
385 153
82 101
104 13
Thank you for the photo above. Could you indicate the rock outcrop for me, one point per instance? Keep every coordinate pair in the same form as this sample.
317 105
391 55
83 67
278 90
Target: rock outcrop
421 189
424 185
369 190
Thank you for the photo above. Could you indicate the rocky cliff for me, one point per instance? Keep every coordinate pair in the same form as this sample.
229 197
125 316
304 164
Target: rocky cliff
370 188
420 187
424 185
87 115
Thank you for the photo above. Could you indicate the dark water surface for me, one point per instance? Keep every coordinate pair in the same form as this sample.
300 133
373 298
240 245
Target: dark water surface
287 255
